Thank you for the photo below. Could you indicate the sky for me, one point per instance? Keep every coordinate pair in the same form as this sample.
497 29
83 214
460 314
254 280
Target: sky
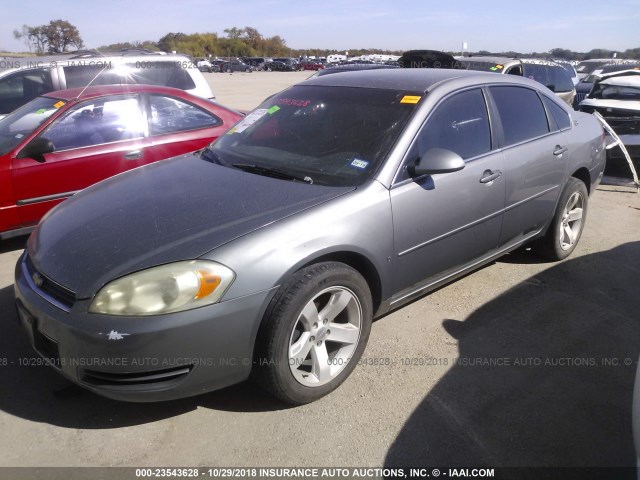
492 25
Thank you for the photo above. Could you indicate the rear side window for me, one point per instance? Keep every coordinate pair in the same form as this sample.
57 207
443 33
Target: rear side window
553 77
170 115
521 113
79 76
560 118
167 74
561 80
21 87
460 124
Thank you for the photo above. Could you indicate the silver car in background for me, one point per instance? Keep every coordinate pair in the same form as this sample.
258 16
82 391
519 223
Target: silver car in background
269 254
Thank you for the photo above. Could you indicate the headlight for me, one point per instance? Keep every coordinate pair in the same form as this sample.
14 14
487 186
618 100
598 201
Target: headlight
164 289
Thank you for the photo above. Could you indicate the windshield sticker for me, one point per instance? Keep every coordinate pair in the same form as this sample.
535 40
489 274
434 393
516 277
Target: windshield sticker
361 164
410 99
273 109
41 111
294 103
249 120
58 104
19 135
497 67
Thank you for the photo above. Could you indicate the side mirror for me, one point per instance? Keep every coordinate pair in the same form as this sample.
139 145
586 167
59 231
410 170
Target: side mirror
36 149
436 160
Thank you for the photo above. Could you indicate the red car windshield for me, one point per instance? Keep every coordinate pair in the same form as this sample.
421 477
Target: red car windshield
21 123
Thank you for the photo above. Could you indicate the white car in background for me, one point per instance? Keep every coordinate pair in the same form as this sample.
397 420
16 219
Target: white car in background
616 96
23 79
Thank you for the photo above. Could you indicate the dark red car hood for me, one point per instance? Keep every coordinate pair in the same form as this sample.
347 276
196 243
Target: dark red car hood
173 210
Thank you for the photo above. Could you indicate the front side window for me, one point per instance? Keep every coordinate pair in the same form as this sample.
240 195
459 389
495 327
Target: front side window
521 113
22 122
335 136
94 122
170 115
460 124
21 87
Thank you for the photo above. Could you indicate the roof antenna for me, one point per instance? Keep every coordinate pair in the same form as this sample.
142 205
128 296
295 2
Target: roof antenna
94 78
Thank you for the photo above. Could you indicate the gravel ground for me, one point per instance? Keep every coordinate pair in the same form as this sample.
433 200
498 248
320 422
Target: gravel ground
522 363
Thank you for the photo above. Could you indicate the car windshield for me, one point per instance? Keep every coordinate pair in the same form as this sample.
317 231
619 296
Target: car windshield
615 92
483 66
589 66
335 136
21 123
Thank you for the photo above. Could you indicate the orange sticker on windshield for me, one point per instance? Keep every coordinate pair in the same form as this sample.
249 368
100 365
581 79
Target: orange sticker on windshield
59 104
410 99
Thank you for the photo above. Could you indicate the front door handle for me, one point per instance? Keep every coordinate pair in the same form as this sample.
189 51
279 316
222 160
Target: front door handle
559 150
489 176
133 155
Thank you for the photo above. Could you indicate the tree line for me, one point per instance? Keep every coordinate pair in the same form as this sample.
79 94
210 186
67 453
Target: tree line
59 36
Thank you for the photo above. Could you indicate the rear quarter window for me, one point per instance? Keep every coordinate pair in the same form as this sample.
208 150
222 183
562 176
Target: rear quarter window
560 118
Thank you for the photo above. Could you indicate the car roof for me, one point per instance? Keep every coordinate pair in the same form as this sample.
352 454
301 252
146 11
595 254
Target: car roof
102 90
626 78
18 63
412 79
488 59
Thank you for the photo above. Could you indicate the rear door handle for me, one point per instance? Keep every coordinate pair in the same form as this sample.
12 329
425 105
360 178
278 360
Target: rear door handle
559 150
488 176
133 155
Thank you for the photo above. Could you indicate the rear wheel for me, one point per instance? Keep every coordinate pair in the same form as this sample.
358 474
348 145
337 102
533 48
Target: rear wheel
315 330
565 230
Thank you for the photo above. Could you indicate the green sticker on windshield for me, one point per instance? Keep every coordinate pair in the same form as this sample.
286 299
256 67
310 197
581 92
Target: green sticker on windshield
273 109
41 111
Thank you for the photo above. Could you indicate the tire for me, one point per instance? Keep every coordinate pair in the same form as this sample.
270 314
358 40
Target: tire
298 358
568 222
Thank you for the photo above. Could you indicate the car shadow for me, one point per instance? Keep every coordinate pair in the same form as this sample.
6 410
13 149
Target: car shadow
13 244
36 392
544 374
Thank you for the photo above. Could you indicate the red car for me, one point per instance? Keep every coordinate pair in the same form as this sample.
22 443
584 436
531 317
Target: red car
310 65
66 140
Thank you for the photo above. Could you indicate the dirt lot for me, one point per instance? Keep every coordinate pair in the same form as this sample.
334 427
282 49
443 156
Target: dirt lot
522 363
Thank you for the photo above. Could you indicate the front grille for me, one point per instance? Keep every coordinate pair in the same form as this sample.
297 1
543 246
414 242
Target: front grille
156 377
47 347
57 292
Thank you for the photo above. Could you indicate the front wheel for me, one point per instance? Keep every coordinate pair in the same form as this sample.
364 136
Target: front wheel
565 230
314 333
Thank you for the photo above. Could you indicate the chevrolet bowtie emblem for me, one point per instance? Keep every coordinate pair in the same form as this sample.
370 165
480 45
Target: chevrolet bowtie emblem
37 279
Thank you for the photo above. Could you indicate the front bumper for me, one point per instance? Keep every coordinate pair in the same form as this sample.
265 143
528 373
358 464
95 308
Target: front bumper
143 359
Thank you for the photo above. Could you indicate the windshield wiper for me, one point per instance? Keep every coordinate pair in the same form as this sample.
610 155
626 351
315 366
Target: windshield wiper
210 156
272 172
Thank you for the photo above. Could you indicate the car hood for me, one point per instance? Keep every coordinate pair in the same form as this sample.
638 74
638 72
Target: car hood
173 210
